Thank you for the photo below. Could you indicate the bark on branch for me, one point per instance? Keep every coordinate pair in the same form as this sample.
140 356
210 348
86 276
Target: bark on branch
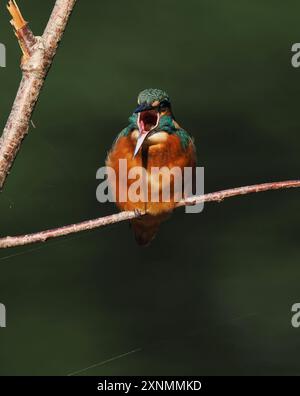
38 54
219 196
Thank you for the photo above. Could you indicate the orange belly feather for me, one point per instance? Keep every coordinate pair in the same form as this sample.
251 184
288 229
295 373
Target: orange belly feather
168 153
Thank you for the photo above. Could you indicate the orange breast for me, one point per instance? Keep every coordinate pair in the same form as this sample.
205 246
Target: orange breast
169 153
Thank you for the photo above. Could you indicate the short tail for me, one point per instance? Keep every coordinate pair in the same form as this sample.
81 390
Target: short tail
146 228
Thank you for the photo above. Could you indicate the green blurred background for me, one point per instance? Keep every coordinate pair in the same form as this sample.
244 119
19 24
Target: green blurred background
213 293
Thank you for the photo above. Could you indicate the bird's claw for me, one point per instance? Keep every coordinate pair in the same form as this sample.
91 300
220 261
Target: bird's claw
138 213
191 202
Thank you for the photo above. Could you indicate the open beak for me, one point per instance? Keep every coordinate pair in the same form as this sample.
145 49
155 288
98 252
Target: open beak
148 120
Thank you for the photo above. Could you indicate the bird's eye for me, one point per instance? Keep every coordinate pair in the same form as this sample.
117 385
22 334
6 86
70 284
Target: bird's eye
163 105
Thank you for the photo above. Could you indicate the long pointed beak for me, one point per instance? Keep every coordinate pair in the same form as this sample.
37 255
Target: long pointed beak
148 120
139 142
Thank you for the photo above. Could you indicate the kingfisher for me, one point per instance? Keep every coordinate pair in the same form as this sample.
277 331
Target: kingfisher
153 139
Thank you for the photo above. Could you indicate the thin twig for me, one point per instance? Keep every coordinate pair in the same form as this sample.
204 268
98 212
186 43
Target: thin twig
219 196
38 54
22 30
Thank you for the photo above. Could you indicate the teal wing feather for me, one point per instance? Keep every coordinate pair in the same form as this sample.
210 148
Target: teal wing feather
167 124
131 127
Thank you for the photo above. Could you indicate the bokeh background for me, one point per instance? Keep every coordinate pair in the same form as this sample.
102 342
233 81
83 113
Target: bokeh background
213 293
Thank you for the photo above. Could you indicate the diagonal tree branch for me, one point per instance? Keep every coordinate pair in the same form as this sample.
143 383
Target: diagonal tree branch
219 196
38 54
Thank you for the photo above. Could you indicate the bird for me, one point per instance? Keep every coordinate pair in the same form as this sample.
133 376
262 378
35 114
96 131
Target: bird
152 139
